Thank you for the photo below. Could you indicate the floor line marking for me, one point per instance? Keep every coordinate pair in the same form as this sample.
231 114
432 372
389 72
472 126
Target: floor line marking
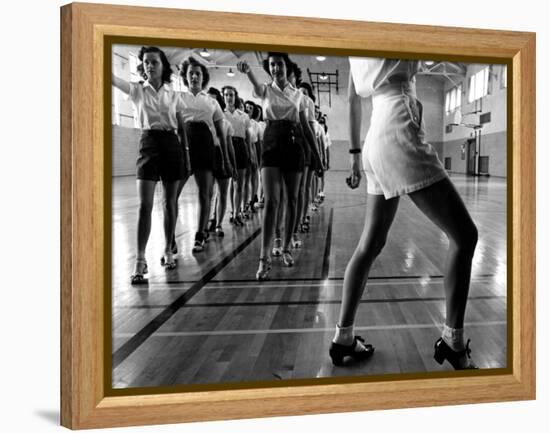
306 330
137 339
313 302
214 285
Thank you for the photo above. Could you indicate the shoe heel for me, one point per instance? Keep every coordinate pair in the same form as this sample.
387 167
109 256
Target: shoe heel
337 358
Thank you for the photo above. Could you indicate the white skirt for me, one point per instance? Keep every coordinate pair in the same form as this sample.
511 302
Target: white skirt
396 159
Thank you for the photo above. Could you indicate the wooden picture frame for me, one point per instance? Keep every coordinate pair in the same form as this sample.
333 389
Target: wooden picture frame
84 399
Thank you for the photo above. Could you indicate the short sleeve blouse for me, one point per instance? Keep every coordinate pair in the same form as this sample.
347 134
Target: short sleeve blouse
281 104
155 109
240 122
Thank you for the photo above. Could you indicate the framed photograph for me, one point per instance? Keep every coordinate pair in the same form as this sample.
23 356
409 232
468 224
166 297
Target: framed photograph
266 216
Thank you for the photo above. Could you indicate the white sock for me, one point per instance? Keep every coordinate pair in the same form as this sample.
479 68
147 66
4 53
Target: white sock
454 337
345 336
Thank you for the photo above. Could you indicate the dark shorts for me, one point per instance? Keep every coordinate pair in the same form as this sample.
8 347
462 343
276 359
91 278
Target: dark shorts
160 156
241 155
283 146
201 146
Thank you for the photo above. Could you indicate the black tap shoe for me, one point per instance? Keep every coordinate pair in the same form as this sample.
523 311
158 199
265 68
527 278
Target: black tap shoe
337 351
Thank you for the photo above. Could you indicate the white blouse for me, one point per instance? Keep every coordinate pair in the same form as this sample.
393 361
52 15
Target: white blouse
369 74
200 108
155 110
254 131
281 104
240 122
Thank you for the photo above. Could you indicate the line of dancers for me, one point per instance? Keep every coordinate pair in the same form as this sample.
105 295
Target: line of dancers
216 145
276 164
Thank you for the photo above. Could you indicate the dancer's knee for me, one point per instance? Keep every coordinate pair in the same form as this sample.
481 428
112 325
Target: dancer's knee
467 239
145 208
371 249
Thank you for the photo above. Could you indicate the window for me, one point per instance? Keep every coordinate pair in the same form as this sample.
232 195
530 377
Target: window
453 99
479 85
504 77
134 62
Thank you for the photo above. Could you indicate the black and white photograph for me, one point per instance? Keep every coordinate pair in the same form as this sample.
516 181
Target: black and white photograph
279 216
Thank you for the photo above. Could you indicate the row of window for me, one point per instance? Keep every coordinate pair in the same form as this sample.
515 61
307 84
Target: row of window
478 87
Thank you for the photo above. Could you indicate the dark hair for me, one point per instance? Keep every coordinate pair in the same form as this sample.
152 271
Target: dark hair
297 73
224 88
256 109
288 62
166 68
323 121
259 114
218 96
309 89
239 104
191 61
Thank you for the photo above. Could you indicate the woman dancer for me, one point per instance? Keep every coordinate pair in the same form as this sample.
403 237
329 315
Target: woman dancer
282 155
253 112
398 161
160 152
303 220
204 130
240 123
219 202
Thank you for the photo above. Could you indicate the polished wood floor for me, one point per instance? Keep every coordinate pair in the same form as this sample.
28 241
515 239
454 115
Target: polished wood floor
209 322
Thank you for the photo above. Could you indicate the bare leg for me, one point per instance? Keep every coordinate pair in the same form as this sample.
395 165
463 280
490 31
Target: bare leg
246 187
181 184
307 194
292 185
205 183
254 185
301 199
232 196
441 203
170 212
238 193
378 220
280 211
146 192
271 181
222 200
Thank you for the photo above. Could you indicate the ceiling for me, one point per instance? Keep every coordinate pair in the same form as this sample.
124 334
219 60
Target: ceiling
225 59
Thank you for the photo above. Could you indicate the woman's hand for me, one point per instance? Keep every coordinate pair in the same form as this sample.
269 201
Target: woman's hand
355 177
243 67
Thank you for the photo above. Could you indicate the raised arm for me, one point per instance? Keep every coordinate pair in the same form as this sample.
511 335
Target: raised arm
245 68
355 115
120 84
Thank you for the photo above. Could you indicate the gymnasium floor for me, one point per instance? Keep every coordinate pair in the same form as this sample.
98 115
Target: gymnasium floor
209 321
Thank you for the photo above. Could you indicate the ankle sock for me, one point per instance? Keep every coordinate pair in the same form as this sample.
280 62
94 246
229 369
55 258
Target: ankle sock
345 336
454 337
